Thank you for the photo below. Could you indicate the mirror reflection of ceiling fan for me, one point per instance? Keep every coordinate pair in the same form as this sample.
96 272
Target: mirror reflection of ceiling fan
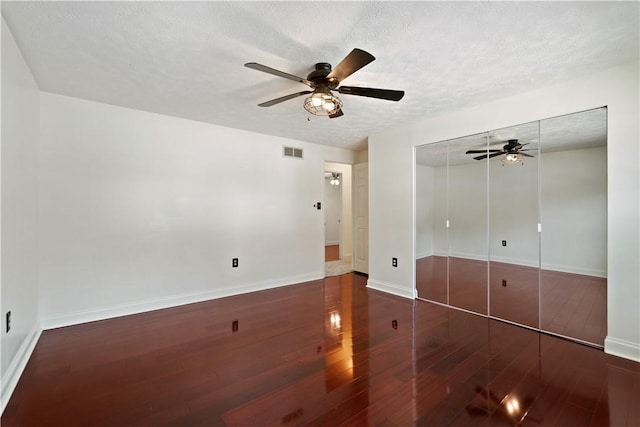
333 177
512 150
323 80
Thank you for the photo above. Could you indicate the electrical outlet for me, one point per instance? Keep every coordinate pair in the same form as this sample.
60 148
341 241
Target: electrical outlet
504 243
394 262
504 283
8 319
234 262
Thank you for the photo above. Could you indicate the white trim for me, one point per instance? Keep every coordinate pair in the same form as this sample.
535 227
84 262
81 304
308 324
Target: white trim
332 243
16 368
576 270
515 261
101 313
391 289
424 255
621 348
474 257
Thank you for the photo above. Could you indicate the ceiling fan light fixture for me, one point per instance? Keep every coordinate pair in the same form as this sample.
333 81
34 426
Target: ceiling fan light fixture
335 179
512 159
322 102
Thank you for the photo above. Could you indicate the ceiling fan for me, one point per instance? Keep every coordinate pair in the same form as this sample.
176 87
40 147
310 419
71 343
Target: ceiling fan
512 151
323 80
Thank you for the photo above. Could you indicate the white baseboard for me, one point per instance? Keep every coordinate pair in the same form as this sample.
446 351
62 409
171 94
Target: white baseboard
622 348
331 243
515 261
391 289
108 312
575 270
423 255
17 365
465 255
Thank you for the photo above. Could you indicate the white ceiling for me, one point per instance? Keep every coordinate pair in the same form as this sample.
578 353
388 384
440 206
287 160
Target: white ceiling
186 59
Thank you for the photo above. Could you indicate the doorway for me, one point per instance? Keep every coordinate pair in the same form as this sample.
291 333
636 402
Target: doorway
338 223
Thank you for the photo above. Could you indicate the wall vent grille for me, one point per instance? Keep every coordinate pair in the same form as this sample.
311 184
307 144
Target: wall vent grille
293 152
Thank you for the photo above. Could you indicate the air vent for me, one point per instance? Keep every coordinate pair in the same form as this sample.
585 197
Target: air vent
292 152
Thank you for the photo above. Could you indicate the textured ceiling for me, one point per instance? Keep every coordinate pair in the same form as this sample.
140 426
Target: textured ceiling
186 59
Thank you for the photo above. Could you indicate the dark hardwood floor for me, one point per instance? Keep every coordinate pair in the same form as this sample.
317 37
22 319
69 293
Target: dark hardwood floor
571 305
324 353
332 252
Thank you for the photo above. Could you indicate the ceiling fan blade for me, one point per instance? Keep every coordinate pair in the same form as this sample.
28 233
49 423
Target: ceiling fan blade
265 69
339 113
355 60
484 156
483 151
529 149
283 98
525 154
388 94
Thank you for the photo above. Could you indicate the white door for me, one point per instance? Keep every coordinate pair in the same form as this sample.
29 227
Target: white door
361 215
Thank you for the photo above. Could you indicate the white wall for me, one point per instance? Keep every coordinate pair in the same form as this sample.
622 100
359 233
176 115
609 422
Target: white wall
361 156
573 211
391 153
513 213
467 206
391 212
140 211
19 243
424 210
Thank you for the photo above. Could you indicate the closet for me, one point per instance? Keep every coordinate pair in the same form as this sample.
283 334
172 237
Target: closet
511 224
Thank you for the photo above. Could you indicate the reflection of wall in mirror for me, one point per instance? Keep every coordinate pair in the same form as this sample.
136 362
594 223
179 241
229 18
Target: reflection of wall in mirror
424 211
573 213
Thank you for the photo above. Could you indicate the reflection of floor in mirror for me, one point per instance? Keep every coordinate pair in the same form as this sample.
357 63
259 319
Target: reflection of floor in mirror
573 305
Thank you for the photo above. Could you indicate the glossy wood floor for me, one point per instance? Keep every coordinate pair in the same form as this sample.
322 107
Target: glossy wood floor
324 353
571 305
332 252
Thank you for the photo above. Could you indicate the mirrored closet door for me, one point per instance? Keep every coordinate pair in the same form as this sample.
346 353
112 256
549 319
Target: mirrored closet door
511 224
573 213
468 226
432 235
514 249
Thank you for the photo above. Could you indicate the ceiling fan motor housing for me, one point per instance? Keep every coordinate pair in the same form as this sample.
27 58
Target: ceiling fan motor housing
512 146
318 77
